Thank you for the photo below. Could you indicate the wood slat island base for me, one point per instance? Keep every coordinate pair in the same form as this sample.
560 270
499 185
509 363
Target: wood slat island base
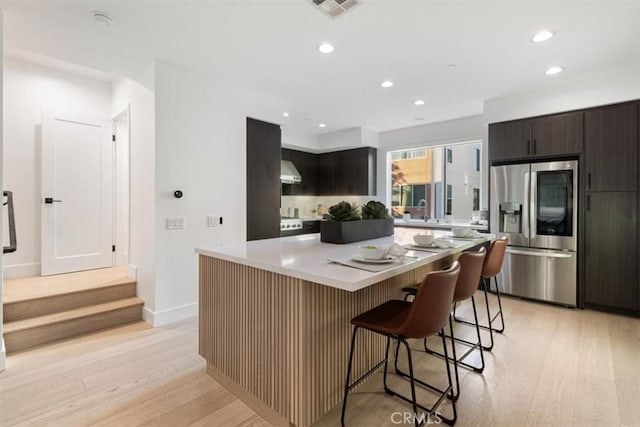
281 343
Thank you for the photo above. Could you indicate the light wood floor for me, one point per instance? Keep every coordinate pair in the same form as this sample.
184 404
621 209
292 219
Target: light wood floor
553 366
44 286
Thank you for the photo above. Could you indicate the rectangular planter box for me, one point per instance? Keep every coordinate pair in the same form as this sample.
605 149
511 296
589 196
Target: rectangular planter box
355 231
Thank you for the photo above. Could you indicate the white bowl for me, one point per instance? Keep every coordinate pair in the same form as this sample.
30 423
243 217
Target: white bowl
372 252
460 231
423 239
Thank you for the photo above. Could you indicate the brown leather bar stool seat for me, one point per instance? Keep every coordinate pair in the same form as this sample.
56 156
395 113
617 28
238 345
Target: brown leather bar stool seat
471 264
402 320
491 268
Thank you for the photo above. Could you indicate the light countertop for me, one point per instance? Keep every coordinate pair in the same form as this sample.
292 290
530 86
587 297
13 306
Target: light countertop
305 257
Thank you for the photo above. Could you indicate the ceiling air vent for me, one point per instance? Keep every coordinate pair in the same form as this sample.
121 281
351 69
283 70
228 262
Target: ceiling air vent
335 8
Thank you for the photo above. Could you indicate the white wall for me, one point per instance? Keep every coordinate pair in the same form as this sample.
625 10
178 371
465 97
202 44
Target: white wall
28 89
348 138
141 101
201 150
3 352
297 140
566 93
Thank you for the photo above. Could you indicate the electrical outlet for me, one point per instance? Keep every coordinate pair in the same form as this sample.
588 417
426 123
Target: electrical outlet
176 223
212 221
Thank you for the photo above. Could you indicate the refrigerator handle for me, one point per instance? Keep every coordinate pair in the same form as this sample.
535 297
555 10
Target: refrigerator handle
525 206
533 220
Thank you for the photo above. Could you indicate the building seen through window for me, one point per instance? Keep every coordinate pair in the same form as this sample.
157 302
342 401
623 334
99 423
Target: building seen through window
436 181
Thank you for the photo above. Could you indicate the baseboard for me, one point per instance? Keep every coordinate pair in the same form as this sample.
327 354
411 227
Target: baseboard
132 272
3 355
21 270
164 317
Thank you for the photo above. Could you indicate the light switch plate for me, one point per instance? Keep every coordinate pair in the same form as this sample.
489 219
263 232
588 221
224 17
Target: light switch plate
212 221
176 223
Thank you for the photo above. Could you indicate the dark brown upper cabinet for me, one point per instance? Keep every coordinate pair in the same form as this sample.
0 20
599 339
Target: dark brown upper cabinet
508 140
263 180
307 165
348 172
611 136
548 136
557 135
336 173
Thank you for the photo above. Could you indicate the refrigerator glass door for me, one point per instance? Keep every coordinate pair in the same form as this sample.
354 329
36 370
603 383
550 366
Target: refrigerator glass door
553 206
510 202
546 275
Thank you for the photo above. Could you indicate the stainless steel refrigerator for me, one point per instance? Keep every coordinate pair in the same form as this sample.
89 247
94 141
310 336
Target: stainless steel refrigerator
536 206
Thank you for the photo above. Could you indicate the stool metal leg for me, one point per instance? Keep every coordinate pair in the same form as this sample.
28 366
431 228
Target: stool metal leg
501 330
472 346
346 384
486 283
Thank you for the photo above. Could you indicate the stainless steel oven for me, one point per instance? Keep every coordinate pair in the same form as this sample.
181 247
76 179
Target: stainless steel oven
536 206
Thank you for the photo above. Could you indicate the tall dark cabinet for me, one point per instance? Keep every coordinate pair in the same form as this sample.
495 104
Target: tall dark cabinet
611 250
263 180
611 242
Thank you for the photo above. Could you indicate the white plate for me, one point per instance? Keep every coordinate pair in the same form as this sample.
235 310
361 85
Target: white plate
429 246
358 257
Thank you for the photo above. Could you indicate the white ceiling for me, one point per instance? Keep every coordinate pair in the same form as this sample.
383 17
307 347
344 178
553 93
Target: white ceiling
270 46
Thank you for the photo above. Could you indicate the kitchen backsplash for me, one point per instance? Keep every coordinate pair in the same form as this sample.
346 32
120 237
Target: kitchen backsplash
306 204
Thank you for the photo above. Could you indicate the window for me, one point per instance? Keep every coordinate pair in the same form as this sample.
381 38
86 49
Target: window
426 181
476 199
409 154
476 160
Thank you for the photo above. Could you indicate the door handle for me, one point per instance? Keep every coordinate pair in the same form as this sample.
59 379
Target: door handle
540 254
588 202
51 200
589 180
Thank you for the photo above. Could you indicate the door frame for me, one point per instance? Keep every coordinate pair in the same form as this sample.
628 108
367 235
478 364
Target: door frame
126 113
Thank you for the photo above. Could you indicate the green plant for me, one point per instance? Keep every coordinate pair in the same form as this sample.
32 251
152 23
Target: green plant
344 211
375 210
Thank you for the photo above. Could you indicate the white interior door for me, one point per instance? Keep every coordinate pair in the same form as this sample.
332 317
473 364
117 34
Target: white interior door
77 194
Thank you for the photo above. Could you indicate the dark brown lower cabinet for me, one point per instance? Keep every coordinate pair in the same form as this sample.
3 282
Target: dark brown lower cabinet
611 251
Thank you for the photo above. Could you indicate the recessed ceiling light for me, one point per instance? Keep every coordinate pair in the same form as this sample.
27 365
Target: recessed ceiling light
325 48
452 66
386 83
419 119
102 18
418 102
322 125
542 36
553 70
285 114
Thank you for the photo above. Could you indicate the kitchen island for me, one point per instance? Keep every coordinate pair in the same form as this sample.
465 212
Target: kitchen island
275 315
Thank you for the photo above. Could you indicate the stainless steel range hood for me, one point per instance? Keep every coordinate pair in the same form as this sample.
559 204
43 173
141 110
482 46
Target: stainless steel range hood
288 173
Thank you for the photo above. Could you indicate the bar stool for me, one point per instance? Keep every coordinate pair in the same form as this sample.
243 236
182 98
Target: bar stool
401 320
492 266
470 269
